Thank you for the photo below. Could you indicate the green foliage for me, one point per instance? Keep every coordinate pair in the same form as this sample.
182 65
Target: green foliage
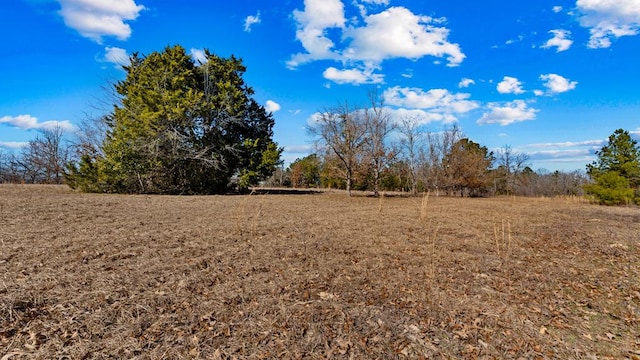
616 172
305 172
83 177
611 188
182 127
396 177
622 155
262 163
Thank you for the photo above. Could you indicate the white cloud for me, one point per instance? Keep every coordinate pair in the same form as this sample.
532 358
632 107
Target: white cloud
353 76
438 100
315 118
560 40
272 106
95 19
608 20
538 92
507 113
421 116
393 33
299 149
408 74
364 5
317 17
564 152
465 83
116 56
375 2
566 144
399 33
556 9
13 144
557 84
28 122
513 41
569 155
510 85
198 56
250 21
435 105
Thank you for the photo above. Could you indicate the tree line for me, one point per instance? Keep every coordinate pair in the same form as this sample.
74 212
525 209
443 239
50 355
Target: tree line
451 174
181 126
365 149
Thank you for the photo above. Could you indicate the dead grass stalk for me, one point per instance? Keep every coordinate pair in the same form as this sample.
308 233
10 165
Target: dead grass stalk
423 206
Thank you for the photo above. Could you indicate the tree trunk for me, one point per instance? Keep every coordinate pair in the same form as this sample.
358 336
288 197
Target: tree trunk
376 181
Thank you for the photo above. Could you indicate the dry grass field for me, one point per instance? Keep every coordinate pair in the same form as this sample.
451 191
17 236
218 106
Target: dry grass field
89 276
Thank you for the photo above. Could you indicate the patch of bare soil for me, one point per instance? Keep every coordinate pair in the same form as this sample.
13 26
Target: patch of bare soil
89 276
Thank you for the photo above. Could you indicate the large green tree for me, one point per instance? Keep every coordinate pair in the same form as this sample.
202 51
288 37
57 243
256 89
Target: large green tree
616 171
182 127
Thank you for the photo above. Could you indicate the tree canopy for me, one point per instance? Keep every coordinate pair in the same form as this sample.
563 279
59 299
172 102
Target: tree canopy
181 127
467 165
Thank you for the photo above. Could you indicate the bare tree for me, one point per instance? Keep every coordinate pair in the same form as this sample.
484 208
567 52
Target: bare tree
4 162
411 145
378 127
13 172
557 183
344 133
89 137
439 145
510 167
44 157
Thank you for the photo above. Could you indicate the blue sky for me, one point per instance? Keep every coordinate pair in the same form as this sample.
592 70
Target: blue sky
550 78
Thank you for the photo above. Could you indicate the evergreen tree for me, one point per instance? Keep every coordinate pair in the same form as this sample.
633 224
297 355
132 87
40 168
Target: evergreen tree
184 128
610 188
621 155
616 171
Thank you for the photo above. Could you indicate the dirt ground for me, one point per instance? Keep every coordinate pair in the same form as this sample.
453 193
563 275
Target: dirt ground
314 276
